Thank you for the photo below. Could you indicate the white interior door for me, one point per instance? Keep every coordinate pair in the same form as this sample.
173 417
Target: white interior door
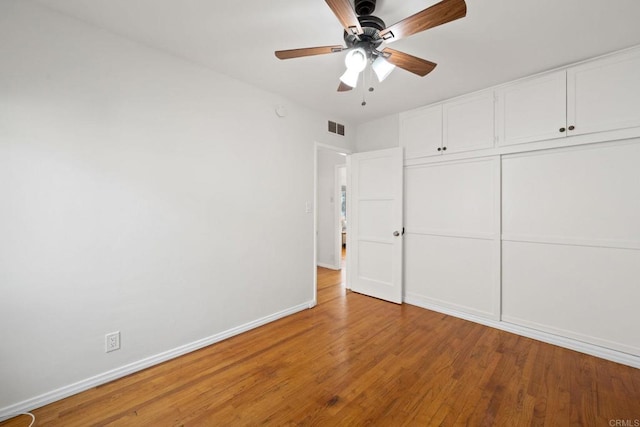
375 251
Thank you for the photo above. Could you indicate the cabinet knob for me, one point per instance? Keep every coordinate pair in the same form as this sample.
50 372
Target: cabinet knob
444 148
562 129
572 127
439 149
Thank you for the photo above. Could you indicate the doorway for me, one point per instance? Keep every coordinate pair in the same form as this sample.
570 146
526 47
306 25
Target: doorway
331 210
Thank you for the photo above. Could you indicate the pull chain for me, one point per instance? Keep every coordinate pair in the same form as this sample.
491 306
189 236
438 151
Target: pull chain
364 91
364 85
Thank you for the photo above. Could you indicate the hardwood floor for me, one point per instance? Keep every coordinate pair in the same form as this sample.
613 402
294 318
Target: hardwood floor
355 360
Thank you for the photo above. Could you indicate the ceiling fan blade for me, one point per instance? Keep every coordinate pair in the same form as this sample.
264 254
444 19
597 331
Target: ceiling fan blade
344 88
308 51
438 14
411 63
346 15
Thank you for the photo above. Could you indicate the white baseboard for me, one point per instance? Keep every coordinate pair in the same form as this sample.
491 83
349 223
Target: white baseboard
572 344
329 266
105 377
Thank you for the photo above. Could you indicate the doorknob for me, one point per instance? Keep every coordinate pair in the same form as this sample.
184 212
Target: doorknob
396 233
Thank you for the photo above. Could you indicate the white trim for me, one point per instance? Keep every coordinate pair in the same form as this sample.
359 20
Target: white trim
337 214
477 235
427 302
384 198
372 239
446 161
329 266
497 248
570 334
341 150
571 241
348 261
572 344
105 377
586 140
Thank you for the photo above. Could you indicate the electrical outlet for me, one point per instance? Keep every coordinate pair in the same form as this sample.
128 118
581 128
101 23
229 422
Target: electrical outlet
112 341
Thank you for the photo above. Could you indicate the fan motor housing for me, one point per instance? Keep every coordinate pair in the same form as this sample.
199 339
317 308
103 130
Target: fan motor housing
365 7
370 39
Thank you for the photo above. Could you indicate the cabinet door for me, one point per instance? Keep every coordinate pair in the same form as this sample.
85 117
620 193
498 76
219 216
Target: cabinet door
604 94
533 110
469 123
421 131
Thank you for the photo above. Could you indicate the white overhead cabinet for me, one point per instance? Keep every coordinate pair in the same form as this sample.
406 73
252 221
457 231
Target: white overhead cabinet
597 96
533 110
604 94
421 132
468 123
464 124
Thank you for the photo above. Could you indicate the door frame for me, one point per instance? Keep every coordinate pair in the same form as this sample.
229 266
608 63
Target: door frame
316 147
337 212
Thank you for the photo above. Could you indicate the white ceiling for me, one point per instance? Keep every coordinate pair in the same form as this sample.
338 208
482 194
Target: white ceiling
498 41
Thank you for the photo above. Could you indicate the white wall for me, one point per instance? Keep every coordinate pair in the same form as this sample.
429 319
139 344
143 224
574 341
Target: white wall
326 208
379 134
139 193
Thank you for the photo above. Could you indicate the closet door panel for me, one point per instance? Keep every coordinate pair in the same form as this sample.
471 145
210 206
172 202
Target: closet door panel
571 243
452 198
451 272
583 195
452 240
587 293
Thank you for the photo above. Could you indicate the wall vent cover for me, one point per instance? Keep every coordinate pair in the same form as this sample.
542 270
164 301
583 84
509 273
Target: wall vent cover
336 128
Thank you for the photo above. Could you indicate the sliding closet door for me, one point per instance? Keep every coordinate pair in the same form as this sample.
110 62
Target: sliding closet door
571 243
452 240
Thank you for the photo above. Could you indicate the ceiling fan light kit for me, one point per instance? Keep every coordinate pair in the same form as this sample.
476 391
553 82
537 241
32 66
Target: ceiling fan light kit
356 59
382 68
350 78
365 33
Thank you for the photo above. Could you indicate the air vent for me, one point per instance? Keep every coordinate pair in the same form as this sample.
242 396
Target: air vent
336 128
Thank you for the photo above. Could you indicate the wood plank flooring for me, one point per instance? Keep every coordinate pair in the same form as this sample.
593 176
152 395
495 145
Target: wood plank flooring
355 360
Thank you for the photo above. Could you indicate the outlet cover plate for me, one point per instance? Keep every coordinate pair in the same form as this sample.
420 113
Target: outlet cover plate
112 341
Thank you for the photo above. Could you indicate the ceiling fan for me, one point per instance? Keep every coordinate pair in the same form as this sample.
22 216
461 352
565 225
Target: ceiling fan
364 34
